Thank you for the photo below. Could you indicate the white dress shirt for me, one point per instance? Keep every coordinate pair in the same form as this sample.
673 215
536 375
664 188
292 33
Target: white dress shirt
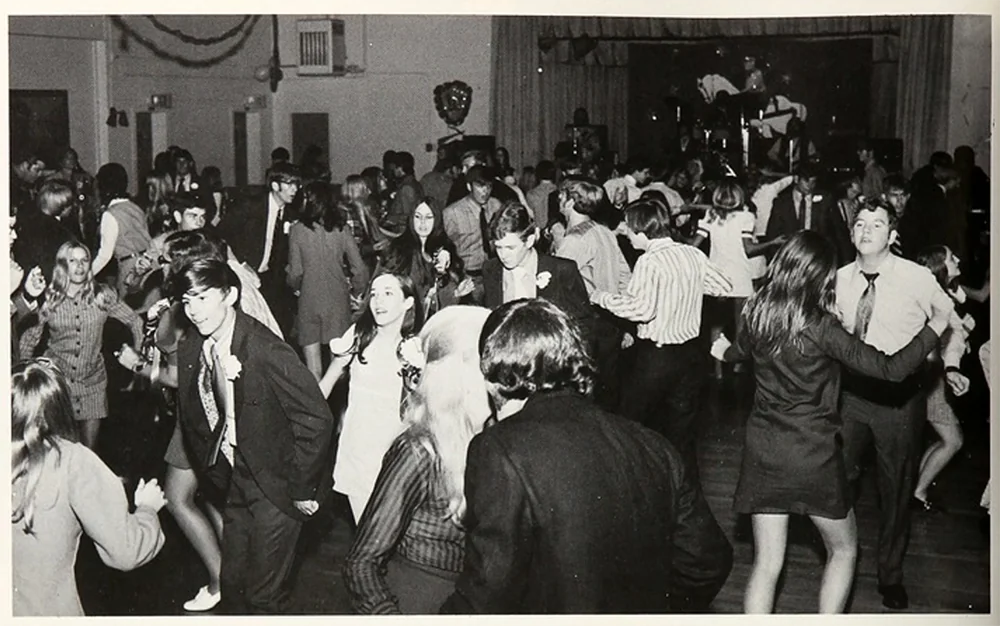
274 211
522 281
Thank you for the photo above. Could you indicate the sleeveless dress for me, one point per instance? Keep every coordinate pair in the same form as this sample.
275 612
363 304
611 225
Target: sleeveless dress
372 419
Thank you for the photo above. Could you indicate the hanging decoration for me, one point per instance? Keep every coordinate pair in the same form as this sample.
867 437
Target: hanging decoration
242 34
452 101
274 70
199 41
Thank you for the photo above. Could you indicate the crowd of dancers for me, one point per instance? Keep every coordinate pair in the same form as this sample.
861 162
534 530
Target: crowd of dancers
506 373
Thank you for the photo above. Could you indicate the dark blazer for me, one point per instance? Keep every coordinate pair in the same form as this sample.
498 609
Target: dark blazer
283 424
244 227
838 233
565 289
784 221
575 510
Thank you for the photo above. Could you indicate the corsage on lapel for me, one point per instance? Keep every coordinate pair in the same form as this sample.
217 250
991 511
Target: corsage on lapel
412 360
542 280
231 367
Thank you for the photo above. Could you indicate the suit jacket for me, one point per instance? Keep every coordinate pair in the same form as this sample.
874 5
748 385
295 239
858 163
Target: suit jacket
565 289
785 221
609 523
838 232
283 424
244 227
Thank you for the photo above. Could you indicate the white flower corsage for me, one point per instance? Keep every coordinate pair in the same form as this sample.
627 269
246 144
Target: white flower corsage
232 367
817 197
412 359
542 280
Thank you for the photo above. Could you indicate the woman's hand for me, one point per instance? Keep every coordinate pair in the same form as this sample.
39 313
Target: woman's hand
35 284
143 264
442 261
464 288
149 495
719 347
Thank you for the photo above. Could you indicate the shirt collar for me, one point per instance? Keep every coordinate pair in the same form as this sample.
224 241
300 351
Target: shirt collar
630 180
112 203
225 341
662 242
886 267
272 204
527 267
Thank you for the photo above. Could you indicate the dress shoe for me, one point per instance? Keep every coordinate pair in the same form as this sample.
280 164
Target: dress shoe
894 597
204 601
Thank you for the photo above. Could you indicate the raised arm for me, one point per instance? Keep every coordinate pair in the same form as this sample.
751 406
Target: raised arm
124 540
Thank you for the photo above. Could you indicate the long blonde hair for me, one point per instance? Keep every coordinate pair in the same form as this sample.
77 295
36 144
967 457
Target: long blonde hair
41 420
91 291
447 408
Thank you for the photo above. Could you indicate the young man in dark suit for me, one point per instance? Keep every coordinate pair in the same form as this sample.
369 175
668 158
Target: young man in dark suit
572 509
518 271
798 208
256 228
257 426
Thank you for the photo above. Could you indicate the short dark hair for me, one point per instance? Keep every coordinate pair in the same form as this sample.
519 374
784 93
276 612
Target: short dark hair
650 217
478 175
546 170
112 182
203 274
513 217
528 346
405 161
941 159
280 154
191 245
283 173
807 171
637 163
874 204
316 204
896 181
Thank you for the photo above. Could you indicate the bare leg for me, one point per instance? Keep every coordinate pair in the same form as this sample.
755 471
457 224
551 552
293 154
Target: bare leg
938 455
89 430
840 536
180 488
313 359
770 535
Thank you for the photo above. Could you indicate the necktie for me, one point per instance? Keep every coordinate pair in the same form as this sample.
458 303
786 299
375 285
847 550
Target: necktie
277 237
484 230
865 307
212 390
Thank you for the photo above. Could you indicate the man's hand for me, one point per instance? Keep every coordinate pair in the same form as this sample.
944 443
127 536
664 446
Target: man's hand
958 382
306 507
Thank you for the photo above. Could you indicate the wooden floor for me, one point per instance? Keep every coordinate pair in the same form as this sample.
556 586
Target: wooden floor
946 569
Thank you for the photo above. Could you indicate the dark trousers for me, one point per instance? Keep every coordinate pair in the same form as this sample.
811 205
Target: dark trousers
258 548
606 341
663 392
280 299
897 432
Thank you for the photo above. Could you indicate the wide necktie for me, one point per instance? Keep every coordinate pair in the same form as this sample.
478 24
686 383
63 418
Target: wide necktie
277 239
212 390
865 307
484 229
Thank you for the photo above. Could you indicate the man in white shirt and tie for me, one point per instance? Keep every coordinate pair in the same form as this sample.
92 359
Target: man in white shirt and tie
639 174
886 300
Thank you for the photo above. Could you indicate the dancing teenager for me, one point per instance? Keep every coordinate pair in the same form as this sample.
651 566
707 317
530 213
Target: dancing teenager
61 490
75 310
370 349
792 459
410 545
885 300
572 509
257 427
944 265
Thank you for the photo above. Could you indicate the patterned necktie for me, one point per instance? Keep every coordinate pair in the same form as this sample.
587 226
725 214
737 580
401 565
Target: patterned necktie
484 229
211 392
865 307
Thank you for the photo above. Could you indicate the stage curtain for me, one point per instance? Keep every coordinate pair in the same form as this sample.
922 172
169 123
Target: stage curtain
516 111
531 108
924 81
884 86
705 28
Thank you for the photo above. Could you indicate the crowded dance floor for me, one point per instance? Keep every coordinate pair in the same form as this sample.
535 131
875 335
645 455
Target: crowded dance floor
375 314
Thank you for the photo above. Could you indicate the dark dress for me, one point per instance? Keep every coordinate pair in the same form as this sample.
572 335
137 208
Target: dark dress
792 458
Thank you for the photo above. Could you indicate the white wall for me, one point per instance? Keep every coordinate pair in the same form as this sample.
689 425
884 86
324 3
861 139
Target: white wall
390 105
969 103
61 64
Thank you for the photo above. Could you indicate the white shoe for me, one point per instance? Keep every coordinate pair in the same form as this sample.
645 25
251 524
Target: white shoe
204 601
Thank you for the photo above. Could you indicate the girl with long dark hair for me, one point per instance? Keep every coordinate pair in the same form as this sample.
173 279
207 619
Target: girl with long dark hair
370 348
792 458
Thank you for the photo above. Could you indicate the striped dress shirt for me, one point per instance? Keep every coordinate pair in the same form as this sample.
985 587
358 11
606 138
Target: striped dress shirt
666 291
404 519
